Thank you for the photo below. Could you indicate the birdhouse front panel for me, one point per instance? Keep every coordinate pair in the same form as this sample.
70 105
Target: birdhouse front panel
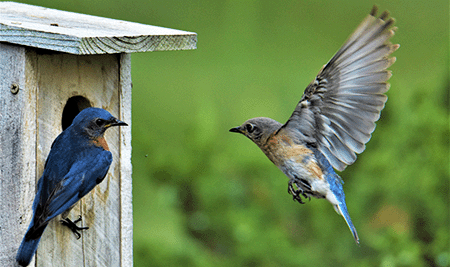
65 84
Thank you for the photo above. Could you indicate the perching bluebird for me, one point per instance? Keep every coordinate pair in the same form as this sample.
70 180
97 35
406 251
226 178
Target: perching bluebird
79 159
334 118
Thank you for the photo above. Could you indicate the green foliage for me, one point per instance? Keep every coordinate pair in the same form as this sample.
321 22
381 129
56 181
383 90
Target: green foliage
206 197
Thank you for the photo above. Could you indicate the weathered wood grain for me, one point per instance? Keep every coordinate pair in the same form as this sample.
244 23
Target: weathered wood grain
17 151
84 34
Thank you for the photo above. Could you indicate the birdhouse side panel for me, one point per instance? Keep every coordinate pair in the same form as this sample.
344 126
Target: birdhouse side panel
125 162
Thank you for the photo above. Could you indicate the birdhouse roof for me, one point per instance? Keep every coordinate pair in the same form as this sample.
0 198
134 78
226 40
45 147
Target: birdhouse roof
85 34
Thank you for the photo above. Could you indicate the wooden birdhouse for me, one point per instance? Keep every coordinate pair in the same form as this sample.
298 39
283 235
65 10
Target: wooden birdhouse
52 65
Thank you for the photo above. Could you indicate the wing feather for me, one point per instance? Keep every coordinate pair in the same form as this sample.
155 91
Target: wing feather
340 107
80 180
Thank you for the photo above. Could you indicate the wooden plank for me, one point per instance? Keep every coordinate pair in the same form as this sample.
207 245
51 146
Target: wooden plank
97 79
17 151
126 220
102 206
84 34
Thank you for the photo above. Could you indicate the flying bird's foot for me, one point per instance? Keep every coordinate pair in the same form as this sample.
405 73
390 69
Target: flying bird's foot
297 192
73 226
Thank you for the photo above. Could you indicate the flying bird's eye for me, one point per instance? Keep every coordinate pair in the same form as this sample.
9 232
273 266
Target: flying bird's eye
99 122
250 127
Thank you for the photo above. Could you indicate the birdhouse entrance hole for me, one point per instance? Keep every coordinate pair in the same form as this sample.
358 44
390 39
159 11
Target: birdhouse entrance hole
73 106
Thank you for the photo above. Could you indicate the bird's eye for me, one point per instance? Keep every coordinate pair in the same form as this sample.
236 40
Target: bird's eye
99 122
250 127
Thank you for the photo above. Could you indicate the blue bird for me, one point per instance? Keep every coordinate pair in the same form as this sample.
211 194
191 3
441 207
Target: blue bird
79 159
334 118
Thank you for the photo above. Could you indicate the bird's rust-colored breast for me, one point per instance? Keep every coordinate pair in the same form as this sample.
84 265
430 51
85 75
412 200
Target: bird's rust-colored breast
280 149
101 142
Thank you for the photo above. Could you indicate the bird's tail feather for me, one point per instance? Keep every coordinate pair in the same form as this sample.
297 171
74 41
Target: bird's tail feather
342 210
28 248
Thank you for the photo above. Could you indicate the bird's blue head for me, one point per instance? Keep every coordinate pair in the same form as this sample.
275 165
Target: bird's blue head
94 122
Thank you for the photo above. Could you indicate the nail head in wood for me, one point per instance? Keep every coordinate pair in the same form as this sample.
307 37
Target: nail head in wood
14 88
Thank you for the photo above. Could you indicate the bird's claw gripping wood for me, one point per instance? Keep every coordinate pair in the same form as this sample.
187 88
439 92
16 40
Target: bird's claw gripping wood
72 225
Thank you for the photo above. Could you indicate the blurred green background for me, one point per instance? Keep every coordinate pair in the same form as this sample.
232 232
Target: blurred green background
206 197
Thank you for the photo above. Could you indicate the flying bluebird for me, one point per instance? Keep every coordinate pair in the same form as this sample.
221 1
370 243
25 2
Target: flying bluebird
334 118
79 159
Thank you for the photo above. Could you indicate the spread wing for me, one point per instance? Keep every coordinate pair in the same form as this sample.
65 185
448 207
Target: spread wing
339 108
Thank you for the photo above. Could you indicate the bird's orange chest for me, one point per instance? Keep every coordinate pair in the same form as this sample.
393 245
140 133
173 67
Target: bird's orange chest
283 152
278 149
101 142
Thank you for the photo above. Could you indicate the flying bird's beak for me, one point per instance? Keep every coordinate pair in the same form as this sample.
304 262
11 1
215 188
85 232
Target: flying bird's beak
115 122
236 130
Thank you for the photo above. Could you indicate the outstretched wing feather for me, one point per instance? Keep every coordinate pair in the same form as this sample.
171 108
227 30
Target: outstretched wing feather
338 110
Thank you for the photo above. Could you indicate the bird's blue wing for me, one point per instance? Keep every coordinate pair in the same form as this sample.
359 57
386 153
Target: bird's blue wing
339 108
80 180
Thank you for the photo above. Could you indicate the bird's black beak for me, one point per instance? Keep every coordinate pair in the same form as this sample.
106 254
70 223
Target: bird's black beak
236 130
115 122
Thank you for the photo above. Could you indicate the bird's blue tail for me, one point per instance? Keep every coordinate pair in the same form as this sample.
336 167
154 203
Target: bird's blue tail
339 205
26 251
342 210
28 247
